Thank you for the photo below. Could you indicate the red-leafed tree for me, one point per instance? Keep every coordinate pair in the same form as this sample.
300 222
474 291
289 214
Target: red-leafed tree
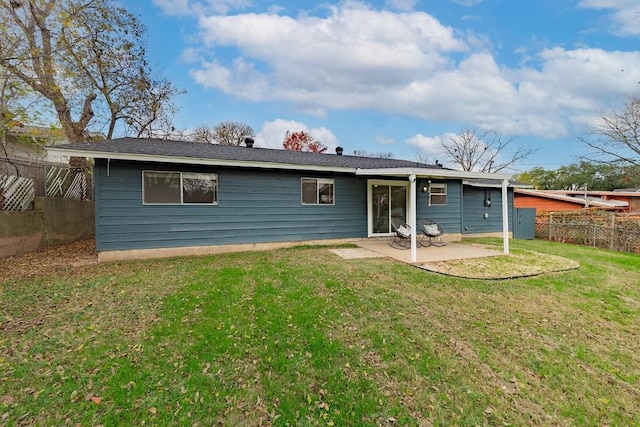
302 141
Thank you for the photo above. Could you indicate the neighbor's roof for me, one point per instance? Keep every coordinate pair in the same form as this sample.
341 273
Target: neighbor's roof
495 183
170 151
576 198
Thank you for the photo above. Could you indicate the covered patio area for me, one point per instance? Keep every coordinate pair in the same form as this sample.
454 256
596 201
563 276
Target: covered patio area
424 254
469 261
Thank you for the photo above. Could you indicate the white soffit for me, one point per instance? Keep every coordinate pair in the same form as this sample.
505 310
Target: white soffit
432 173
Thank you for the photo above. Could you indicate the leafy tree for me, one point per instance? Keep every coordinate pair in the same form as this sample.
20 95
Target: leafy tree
77 53
584 176
616 134
225 133
540 178
302 141
490 151
19 106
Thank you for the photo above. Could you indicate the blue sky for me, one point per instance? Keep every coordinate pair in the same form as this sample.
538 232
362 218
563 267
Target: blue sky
397 75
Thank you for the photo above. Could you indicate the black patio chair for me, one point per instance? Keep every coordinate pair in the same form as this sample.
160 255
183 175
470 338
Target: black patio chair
401 234
432 232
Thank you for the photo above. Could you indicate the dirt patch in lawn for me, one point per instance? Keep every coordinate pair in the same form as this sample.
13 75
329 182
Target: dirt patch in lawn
519 263
57 260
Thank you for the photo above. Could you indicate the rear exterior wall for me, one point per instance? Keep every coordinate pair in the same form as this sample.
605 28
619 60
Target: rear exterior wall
449 216
254 206
477 217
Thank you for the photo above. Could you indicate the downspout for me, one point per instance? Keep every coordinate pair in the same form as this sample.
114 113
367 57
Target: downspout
505 216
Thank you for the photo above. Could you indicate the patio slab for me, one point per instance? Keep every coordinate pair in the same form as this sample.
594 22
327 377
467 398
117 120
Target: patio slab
451 251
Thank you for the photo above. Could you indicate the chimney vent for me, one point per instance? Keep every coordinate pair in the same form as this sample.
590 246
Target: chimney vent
248 142
339 151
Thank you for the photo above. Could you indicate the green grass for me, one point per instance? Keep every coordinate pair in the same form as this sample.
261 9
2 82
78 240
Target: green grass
302 337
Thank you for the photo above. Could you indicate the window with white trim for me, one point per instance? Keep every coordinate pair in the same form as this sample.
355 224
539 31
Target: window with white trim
437 194
169 188
317 191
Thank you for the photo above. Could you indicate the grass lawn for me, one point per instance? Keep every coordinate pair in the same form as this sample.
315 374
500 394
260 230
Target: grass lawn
302 337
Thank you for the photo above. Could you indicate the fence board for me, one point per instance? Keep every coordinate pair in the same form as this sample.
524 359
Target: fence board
21 180
18 193
592 228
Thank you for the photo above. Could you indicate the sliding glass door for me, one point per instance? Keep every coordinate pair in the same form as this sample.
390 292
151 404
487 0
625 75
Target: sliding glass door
387 200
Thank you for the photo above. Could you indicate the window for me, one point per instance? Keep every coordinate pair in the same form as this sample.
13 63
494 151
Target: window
437 194
179 188
317 191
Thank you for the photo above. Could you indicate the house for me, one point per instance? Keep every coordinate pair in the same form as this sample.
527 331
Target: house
162 198
27 142
566 200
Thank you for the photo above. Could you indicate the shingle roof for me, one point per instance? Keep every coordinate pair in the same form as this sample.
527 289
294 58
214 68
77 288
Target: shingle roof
167 149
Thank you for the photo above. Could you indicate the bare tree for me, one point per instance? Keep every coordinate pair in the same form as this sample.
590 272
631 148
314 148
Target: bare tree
490 151
616 134
232 133
365 153
83 55
202 134
225 133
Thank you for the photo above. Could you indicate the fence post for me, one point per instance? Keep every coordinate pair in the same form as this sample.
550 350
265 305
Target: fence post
550 225
612 225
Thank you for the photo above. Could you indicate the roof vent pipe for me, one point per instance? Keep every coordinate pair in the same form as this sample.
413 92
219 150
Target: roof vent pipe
248 142
339 151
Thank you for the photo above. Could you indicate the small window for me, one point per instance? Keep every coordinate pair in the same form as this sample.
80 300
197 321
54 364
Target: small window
437 194
199 188
317 191
179 188
161 187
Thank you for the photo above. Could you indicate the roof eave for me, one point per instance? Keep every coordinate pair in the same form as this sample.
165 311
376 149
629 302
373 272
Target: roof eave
196 160
432 173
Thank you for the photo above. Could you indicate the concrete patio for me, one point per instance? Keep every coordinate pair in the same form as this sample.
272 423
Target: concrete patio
427 254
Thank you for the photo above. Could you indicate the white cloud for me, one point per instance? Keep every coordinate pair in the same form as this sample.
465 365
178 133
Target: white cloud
339 61
429 148
624 15
272 134
407 64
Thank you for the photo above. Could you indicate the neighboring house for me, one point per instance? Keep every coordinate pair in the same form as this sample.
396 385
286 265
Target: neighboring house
28 142
159 197
564 200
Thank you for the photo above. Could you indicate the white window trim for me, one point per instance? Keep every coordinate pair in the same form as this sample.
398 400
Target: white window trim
445 194
318 182
370 184
181 203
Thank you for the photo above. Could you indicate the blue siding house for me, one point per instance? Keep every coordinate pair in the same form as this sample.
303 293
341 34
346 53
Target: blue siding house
162 198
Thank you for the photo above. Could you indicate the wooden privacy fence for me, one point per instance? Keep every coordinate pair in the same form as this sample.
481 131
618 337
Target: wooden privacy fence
22 181
618 232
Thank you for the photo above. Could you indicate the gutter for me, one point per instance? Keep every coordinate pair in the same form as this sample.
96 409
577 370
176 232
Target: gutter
196 160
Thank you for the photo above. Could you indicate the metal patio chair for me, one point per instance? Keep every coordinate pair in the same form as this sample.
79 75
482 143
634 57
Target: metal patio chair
401 234
432 232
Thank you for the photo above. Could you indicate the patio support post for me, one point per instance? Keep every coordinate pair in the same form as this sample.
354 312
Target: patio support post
412 217
505 215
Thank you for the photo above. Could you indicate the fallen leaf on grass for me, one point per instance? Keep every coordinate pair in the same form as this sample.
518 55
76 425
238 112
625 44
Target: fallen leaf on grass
7 399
